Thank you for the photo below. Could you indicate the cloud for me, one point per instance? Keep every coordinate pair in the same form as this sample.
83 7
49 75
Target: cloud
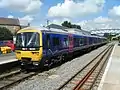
23 20
95 23
115 11
59 21
102 19
34 5
28 6
26 19
100 23
72 9
10 16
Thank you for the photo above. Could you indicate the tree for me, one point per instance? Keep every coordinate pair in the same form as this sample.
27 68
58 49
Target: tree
5 34
69 25
66 24
76 26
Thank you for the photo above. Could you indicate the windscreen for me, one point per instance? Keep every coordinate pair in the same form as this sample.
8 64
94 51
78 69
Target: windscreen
27 40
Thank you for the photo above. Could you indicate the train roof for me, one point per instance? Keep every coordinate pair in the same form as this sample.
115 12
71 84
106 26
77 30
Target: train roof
53 30
59 31
34 28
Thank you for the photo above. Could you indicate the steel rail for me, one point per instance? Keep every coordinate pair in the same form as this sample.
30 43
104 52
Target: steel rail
101 69
63 85
82 82
13 78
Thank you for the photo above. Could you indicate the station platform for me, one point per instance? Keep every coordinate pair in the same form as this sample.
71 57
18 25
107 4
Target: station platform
7 58
111 77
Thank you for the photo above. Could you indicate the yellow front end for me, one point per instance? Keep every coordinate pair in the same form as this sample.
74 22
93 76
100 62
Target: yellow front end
31 56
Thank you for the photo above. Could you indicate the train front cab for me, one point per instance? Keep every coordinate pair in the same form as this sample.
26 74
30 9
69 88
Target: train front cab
29 48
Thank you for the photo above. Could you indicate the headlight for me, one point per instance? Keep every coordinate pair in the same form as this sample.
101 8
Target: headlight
31 48
24 48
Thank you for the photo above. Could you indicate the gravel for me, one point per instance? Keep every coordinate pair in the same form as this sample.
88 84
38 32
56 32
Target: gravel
52 79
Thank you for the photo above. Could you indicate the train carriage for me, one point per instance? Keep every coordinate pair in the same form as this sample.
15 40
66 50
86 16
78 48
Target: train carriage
39 47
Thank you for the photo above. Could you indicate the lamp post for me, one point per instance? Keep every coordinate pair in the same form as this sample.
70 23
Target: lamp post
48 22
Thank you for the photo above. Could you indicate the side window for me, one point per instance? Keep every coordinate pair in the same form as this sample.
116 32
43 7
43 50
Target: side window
76 42
48 41
85 41
81 41
44 41
56 41
65 42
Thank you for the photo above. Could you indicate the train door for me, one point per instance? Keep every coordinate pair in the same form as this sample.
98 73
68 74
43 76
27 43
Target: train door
70 36
55 43
48 45
48 41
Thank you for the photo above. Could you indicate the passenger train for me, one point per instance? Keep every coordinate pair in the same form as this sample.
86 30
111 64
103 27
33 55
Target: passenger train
40 47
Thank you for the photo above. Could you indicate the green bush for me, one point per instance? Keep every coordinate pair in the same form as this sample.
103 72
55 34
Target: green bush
70 25
5 34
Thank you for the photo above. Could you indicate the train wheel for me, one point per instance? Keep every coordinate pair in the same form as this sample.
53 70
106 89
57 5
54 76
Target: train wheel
23 69
48 63
64 58
60 59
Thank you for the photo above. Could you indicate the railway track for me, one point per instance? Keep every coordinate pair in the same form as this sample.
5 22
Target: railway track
14 77
86 78
17 76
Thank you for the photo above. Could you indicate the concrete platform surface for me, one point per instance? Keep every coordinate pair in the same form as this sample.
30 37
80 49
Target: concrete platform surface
111 76
7 58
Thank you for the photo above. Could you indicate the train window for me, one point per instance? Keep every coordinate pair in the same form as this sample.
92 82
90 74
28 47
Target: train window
76 42
91 40
85 41
65 42
48 41
56 41
81 42
27 39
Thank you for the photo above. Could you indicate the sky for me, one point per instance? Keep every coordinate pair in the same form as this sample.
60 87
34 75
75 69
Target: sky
89 14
